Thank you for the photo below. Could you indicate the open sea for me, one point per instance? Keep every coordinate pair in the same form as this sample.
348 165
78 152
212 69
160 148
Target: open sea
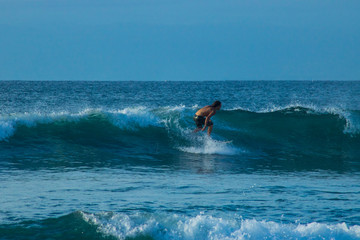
118 160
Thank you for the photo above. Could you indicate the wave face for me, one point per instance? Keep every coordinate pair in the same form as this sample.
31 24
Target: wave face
80 225
309 131
294 132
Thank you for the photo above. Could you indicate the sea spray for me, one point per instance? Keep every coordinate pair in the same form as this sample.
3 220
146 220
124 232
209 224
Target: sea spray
202 144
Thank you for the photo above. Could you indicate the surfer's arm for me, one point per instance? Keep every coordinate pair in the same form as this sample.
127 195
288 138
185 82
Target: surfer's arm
207 119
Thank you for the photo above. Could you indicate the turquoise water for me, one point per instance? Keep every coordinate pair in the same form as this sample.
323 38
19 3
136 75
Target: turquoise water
118 160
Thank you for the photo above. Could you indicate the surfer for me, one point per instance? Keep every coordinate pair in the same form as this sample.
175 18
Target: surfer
203 115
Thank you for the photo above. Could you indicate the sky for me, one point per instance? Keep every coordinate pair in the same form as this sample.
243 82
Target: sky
179 40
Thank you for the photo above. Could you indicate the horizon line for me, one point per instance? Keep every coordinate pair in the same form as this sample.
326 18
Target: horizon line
169 80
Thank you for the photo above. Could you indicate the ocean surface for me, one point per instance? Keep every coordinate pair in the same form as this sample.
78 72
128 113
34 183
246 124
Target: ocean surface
119 160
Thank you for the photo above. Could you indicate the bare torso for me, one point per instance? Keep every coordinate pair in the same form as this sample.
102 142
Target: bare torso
205 111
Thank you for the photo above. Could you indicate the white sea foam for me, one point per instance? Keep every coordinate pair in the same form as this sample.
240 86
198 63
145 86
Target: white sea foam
180 107
160 226
131 118
7 129
207 145
352 122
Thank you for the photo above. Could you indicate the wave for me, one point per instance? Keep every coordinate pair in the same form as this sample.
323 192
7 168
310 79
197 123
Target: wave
298 121
120 127
128 118
295 116
294 128
203 226
140 225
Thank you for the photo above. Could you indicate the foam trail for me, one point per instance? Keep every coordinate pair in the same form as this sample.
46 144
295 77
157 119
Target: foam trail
202 226
207 145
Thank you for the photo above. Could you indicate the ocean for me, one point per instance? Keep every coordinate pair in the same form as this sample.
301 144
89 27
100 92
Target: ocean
119 160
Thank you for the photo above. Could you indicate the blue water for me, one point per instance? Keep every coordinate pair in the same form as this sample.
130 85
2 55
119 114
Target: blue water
118 160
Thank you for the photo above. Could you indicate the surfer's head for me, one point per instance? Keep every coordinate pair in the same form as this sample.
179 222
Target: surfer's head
216 105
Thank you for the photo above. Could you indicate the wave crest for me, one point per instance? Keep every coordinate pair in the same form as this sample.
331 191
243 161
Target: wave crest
159 226
128 118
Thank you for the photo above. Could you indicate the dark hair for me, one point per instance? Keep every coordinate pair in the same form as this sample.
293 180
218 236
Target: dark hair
215 104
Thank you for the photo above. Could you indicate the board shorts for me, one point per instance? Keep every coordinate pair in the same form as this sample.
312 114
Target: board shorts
200 121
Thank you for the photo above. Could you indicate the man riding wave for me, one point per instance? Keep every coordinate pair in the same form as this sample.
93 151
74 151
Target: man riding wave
203 115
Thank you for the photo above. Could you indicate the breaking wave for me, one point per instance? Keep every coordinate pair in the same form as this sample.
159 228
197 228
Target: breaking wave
140 225
236 131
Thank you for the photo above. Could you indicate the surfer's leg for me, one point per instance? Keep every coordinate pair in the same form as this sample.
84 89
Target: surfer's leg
210 129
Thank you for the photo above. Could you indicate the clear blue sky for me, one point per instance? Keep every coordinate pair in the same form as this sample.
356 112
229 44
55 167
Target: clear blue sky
179 39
